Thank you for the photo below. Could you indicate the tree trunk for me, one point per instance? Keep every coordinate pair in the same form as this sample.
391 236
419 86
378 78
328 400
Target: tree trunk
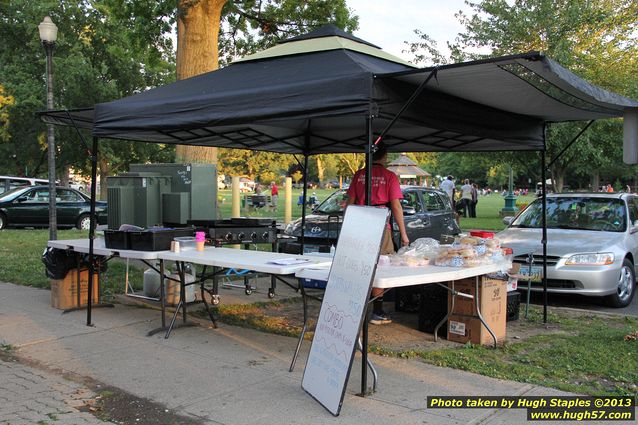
352 162
197 53
321 169
595 181
558 178
104 170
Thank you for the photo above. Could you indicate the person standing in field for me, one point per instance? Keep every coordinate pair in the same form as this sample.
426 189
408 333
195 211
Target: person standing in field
274 196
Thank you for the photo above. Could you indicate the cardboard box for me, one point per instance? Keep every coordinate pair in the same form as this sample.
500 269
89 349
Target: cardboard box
463 323
64 292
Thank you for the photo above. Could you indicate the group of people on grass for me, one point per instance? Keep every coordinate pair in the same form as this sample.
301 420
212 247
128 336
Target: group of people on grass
464 200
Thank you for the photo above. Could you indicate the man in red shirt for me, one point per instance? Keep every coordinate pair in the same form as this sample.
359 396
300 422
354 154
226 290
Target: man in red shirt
386 192
274 195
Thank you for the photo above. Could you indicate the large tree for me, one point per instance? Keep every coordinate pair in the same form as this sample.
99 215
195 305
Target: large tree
595 39
245 27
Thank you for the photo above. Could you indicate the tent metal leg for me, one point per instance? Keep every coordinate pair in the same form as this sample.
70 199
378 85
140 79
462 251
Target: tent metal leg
544 237
92 226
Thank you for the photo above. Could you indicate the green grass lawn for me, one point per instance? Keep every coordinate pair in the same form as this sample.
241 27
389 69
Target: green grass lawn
20 260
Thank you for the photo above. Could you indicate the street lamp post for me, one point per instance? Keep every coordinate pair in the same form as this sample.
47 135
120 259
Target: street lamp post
48 35
510 199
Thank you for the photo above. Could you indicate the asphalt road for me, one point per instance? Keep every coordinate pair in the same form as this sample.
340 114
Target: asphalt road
582 302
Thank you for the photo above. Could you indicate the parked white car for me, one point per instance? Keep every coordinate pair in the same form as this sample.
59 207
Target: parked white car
592 244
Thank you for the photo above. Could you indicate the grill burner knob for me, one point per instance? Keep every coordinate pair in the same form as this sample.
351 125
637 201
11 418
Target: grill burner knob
265 235
229 236
240 236
253 236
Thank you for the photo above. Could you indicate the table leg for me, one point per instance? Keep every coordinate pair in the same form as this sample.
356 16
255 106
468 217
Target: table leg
173 319
182 288
375 375
478 310
447 314
202 289
162 294
364 355
303 328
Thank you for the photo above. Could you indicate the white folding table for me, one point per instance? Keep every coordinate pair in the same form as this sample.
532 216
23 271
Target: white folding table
388 277
272 263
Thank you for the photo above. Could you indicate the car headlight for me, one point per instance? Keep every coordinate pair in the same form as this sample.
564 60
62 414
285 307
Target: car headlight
595 259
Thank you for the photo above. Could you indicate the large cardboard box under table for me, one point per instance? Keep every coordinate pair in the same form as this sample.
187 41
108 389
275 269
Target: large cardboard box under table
463 323
64 292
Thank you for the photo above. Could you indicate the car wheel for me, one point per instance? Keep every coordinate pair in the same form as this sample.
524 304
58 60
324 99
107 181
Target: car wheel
3 221
84 222
626 286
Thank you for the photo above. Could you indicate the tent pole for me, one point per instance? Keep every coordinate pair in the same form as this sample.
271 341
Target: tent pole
304 197
369 148
544 221
305 187
580 133
364 342
407 104
94 154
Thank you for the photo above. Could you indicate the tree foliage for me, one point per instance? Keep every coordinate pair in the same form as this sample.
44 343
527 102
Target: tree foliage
252 25
5 103
99 56
595 39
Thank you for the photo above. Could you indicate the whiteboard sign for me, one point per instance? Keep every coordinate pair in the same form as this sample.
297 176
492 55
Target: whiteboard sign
344 304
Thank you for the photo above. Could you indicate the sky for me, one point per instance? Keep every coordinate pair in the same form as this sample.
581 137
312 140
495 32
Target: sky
388 23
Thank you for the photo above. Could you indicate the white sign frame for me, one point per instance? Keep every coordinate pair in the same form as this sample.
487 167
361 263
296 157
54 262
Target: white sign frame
344 305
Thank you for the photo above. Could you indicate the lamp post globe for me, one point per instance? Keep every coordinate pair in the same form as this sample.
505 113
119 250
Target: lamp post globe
49 35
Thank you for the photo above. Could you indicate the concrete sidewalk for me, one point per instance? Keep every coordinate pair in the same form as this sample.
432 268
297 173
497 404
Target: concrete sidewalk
229 375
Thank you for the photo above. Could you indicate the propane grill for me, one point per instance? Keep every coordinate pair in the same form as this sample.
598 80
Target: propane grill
241 230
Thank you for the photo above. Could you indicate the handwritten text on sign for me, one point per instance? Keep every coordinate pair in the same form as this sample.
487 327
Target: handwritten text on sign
343 306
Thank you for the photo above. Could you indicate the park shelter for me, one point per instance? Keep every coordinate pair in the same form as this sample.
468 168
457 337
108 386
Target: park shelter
408 170
330 92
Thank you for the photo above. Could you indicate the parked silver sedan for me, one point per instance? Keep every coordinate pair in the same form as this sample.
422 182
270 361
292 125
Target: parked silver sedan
592 244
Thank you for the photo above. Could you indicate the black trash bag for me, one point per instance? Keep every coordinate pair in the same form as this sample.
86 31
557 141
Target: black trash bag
58 262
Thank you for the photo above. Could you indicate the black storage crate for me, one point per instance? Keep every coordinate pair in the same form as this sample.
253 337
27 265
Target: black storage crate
513 305
117 239
432 308
407 298
157 239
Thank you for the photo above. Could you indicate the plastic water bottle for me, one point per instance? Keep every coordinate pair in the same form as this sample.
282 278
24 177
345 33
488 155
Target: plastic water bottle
332 250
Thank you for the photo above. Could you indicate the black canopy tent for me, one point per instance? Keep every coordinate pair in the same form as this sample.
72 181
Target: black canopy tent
330 92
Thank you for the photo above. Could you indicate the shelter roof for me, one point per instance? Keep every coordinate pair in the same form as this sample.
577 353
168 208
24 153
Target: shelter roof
403 159
408 170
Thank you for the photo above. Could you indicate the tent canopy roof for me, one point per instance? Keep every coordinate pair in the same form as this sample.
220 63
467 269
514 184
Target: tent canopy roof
313 94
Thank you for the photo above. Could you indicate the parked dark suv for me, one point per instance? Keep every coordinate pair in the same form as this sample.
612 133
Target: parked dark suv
427 214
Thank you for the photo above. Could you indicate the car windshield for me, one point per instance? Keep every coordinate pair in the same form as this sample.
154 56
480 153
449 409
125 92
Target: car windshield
335 203
580 213
10 194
